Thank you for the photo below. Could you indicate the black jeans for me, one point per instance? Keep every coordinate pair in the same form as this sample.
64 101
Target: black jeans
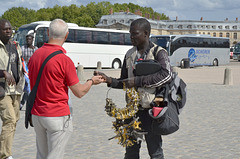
154 142
24 98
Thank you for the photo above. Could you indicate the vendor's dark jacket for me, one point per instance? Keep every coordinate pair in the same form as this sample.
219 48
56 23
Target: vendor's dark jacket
150 81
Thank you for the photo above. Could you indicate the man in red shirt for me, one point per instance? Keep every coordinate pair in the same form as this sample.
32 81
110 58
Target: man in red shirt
50 113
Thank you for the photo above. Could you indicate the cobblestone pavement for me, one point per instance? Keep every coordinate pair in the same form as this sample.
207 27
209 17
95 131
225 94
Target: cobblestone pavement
210 121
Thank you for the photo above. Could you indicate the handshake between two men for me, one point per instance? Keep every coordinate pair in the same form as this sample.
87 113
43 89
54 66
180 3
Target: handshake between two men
129 82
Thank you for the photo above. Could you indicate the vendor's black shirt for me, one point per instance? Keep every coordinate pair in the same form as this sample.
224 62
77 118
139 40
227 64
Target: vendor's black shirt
13 61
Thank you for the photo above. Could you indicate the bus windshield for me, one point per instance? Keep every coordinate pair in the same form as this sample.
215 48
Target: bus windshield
20 36
161 41
236 48
236 52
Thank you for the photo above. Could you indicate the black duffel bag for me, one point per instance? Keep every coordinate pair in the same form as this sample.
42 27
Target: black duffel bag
174 99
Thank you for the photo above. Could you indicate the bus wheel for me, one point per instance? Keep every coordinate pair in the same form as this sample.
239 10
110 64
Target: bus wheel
215 62
116 64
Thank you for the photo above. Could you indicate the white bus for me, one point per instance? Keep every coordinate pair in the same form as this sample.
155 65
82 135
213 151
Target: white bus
199 50
85 46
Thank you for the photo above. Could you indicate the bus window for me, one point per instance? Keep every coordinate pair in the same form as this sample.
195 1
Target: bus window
116 38
21 37
83 36
71 35
41 37
121 39
100 37
206 42
127 40
162 41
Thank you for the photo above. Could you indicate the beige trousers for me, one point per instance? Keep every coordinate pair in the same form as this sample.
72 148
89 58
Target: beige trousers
52 135
9 112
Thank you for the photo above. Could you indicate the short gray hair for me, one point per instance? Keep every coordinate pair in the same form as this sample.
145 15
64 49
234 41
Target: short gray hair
58 29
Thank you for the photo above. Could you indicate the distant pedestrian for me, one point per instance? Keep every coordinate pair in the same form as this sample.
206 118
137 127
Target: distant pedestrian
28 49
27 52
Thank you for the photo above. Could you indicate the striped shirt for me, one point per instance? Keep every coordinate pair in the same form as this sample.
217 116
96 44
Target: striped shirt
27 52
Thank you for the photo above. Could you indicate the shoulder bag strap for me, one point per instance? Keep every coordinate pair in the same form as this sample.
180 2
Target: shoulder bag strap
155 52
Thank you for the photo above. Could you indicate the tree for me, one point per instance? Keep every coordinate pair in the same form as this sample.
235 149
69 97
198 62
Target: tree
95 11
71 13
85 20
45 14
88 15
19 16
57 12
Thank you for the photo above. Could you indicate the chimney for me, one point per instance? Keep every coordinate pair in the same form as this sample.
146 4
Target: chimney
147 15
201 19
226 19
138 12
176 18
153 18
111 11
135 12
237 19
158 17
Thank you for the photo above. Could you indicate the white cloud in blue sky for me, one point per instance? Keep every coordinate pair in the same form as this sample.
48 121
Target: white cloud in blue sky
183 9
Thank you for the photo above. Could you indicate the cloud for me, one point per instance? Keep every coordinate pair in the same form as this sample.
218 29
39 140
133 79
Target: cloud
194 10
184 9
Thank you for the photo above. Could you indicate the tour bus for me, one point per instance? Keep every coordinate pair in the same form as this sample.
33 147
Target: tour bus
236 52
199 50
85 46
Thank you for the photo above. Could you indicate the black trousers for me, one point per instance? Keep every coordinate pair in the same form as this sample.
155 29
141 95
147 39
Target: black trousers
154 141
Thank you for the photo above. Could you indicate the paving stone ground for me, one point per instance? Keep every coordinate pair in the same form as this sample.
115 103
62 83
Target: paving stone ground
210 121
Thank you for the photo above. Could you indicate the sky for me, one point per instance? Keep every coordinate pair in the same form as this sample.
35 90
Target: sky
209 10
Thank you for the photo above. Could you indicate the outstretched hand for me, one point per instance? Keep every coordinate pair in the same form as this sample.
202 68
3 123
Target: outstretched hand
105 78
97 80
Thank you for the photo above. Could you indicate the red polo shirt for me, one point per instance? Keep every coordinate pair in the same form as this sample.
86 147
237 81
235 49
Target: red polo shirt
59 73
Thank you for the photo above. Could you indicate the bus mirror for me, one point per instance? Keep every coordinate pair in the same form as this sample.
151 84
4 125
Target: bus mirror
167 44
31 32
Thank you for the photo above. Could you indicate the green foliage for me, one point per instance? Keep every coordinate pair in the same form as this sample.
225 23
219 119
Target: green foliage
19 16
88 15
85 20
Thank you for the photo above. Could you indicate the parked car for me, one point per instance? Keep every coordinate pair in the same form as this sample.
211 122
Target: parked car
231 52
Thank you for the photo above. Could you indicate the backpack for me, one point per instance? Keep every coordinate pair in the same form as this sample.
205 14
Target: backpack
166 117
